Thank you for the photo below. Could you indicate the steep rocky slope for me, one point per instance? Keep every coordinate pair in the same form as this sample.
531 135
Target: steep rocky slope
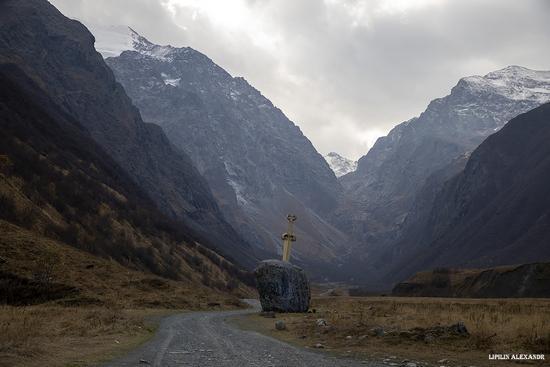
381 193
58 54
497 210
258 163
408 240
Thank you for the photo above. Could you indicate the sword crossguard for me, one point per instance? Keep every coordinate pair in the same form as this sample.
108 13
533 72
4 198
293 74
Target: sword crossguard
289 237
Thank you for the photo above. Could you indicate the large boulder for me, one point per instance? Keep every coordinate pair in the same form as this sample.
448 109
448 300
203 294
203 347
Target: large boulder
283 287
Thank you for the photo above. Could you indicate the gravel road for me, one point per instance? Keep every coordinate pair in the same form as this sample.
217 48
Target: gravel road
204 339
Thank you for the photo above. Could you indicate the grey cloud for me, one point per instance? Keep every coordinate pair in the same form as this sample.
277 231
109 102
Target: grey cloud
341 69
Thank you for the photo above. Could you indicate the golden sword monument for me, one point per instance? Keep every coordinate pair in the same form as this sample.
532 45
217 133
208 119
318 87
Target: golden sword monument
282 286
288 237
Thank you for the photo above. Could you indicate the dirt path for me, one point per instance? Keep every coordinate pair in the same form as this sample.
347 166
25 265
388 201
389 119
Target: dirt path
204 339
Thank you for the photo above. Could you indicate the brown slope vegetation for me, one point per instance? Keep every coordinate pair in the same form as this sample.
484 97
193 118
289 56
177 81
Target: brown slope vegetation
529 280
39 269
56 182
94 308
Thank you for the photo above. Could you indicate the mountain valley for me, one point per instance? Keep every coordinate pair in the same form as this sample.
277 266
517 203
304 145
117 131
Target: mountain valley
402 173
258 163
142 186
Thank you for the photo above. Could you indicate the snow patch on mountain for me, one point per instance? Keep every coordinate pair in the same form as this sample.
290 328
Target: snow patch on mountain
513 82
340 165
174 82
256 161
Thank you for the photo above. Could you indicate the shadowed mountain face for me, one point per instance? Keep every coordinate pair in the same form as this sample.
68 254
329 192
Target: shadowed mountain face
497 210
58 54
398 174
258 163
58 183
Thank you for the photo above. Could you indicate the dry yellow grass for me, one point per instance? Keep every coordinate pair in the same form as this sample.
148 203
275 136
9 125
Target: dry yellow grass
103 314
514 321
495 326
62 336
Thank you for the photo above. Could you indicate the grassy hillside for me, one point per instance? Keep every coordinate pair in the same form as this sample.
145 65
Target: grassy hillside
56 182
35 269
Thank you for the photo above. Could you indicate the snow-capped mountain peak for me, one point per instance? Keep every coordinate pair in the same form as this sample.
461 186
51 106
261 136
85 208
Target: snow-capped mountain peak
113 40
513 82
143 46
340 165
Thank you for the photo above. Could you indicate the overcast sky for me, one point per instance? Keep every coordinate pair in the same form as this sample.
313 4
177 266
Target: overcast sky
345 71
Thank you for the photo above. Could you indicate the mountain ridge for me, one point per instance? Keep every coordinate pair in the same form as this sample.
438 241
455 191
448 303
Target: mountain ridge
380 194
59 55
259 164
496 208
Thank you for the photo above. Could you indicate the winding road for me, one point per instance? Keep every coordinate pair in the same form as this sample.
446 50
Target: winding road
204 339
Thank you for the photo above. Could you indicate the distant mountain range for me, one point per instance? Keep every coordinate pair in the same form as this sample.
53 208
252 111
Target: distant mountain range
340 165
399 175
258 163
495 211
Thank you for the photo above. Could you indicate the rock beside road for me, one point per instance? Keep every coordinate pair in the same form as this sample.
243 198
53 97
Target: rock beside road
280 325
321 322
283 287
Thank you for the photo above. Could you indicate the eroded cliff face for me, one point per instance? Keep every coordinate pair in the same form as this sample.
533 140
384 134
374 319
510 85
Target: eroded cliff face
58 53
258 163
